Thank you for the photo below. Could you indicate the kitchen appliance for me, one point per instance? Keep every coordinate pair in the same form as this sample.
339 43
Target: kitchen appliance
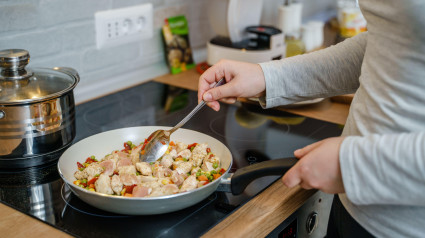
41 193
37 113
240 35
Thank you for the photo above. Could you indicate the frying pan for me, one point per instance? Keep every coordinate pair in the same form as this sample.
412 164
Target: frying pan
103 143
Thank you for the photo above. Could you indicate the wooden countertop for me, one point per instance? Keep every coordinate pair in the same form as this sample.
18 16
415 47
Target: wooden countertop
16 224
269 208
327 110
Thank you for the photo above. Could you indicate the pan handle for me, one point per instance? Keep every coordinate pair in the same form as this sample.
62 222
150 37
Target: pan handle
244 176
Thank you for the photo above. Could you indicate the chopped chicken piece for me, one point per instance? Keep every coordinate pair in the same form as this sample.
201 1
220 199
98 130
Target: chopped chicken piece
156 192
124 162
185 154
141 191
167 160
184 168
161 172
176 163
198 154
142 179
173 153
128 179
108 166
207 166
144 168
111 156
129 169
134 157
92 170
121 155
177 178
116 184
195 170
180 146
210 163
103 185
154 185
136 149
189 184
170 189
80 175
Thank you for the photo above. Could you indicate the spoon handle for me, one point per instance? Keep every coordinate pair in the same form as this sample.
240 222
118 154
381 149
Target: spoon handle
195 110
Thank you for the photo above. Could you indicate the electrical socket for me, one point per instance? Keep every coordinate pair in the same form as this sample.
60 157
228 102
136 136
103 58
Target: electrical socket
124 25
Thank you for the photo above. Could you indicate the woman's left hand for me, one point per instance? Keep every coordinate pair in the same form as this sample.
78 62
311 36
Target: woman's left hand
318 167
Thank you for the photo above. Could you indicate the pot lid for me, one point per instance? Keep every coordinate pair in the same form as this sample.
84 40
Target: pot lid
19 85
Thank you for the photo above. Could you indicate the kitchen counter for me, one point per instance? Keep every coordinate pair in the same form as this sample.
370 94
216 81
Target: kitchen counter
330 110
258 217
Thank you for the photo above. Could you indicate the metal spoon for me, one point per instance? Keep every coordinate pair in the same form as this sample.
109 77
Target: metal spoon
159 140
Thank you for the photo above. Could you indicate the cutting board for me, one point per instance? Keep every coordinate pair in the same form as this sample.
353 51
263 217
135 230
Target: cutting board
346 98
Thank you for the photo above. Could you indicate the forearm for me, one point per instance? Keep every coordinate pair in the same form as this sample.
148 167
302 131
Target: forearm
328 72
384 169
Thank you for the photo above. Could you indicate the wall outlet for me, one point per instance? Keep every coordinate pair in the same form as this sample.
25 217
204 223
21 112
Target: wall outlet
124 25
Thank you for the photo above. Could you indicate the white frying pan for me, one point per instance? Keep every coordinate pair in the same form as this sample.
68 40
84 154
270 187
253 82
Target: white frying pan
103 143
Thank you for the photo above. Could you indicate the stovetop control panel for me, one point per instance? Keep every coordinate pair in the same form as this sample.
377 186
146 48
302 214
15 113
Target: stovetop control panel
310 220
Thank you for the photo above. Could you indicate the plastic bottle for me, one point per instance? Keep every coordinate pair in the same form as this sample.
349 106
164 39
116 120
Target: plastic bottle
350 18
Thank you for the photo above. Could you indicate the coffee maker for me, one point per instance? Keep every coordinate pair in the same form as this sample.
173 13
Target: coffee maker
239 35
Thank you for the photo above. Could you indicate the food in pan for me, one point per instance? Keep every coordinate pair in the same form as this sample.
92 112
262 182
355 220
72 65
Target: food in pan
183 168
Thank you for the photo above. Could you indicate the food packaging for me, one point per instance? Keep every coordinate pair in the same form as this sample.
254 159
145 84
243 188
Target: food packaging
176 38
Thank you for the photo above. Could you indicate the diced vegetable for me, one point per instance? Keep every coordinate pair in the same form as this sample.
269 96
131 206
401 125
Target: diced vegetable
92 181
80 166
202 178
129 189
192 146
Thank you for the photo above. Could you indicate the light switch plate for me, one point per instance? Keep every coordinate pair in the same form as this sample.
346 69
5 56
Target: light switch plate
124 25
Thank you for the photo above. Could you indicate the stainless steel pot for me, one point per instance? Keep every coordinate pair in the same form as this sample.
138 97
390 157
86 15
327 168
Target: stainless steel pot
37 111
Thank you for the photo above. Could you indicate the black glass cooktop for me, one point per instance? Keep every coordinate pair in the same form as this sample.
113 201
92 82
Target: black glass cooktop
251 133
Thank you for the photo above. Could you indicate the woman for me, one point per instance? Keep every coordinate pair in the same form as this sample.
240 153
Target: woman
377 166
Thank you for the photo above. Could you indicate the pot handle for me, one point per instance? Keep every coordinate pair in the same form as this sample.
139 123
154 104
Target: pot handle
244 176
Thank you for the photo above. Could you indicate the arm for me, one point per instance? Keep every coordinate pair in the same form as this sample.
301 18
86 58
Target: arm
384 169
329 72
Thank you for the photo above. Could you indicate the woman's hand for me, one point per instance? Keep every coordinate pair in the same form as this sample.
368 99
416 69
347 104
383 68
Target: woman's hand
318 167
242 80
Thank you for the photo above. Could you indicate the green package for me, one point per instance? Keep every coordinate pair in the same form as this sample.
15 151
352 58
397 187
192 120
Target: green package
176 37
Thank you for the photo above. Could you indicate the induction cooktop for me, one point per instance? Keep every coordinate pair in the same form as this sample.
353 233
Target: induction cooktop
251 133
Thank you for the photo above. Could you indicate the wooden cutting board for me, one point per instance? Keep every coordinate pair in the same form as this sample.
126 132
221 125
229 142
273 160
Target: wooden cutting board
346 98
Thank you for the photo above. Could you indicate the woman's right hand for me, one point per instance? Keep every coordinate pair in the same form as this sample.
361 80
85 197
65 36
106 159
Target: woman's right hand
242 80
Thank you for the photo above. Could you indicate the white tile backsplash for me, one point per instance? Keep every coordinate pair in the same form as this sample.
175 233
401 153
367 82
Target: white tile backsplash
62 33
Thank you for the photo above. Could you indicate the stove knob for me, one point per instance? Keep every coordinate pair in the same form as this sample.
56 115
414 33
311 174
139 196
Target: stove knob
312 222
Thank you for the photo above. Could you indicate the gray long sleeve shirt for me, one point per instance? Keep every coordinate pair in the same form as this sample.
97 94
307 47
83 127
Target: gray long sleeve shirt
383 157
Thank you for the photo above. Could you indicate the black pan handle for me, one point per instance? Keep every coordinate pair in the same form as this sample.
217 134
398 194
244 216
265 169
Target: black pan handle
244 176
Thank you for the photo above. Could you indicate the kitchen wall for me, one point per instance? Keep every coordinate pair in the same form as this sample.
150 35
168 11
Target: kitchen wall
62 33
